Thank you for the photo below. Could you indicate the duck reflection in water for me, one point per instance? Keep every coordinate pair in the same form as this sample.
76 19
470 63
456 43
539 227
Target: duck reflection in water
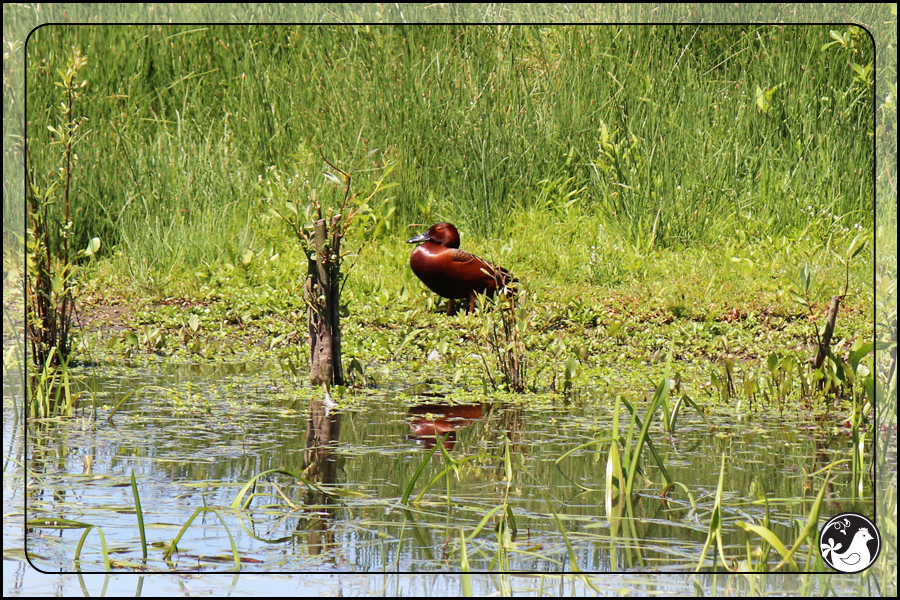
430 421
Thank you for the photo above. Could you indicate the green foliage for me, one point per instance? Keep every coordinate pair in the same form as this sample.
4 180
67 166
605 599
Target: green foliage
650 128
50 282
501 329
596 157
806 537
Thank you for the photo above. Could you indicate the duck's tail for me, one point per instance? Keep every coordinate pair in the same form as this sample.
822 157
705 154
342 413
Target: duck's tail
507 283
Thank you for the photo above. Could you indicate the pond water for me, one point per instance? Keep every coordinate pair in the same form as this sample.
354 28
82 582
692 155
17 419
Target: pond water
194 435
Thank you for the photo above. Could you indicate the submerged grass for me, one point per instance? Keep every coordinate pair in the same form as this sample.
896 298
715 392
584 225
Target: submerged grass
496 510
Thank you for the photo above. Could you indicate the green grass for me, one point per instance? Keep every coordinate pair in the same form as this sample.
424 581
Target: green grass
665 174
654 188
702 305
618 256
668 135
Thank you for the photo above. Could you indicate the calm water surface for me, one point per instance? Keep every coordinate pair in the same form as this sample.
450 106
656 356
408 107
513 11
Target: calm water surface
194 435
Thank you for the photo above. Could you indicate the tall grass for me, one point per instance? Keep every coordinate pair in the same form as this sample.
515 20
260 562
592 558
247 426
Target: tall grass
669 135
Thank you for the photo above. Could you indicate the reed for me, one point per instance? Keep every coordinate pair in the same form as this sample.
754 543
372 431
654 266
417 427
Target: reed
486 123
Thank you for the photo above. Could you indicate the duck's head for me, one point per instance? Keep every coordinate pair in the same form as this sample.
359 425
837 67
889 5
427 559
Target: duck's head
444 234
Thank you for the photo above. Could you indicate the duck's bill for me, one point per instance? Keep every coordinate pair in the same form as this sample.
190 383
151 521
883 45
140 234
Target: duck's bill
418 239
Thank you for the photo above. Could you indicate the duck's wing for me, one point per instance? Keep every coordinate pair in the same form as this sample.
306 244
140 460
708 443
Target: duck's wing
501 275
461 256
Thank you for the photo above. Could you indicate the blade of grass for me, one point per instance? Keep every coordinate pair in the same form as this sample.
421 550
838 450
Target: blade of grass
140 515
715 523
102 544
464 565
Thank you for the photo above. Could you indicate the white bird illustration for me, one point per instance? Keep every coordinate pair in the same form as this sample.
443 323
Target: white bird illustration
854 557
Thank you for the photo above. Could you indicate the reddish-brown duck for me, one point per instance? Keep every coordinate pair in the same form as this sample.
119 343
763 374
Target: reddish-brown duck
451 272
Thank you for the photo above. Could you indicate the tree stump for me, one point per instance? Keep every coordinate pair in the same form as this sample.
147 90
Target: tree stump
322 293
